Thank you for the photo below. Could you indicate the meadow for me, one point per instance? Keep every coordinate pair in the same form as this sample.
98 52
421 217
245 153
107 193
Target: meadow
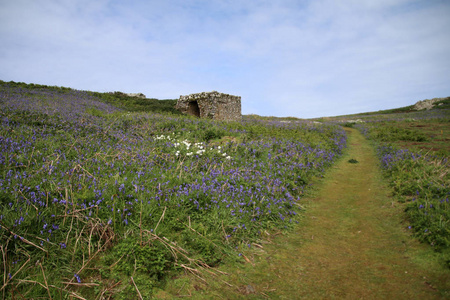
108 197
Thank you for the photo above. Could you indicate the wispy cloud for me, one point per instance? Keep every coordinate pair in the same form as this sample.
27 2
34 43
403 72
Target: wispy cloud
297 58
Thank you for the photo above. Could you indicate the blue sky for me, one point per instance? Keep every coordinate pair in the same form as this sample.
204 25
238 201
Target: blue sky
284 58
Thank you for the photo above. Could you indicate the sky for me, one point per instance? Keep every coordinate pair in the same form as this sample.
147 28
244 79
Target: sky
298 58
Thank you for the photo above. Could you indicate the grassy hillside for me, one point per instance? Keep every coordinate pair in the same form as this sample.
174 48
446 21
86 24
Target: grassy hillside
120 194
117 99
442 105
118 199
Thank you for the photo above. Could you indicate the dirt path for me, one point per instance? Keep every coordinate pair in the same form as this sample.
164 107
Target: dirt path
352 244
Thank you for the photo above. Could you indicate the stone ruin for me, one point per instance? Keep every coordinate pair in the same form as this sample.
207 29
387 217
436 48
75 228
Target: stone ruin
212 105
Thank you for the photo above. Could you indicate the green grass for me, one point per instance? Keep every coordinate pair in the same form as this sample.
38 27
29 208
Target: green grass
415 157
426 136
119 201
414 150
135 104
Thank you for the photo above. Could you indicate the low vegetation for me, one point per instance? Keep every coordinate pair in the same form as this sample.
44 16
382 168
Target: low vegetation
120 194
117 99
103 201
128 103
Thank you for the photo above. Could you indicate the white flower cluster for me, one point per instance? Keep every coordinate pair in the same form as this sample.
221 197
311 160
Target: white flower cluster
192 148
223 154
164 137
197 148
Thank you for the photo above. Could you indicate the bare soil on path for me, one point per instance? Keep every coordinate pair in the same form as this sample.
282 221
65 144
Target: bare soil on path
353 243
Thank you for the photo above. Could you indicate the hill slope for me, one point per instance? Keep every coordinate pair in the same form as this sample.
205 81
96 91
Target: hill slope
118 200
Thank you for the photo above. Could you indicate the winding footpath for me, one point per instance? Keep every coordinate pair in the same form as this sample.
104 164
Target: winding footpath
352 244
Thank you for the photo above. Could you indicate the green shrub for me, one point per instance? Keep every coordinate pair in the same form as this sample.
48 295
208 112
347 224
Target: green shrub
393 133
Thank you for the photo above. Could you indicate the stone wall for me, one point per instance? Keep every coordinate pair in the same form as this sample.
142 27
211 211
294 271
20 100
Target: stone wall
212 105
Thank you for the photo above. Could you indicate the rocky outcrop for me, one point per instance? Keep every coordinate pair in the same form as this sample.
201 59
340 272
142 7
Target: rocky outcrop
137 95
426 104
121 94
212 105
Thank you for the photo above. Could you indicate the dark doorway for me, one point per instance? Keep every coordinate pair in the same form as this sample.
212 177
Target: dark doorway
193 109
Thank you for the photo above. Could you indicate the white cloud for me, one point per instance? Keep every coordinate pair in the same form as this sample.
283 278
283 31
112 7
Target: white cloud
309 58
